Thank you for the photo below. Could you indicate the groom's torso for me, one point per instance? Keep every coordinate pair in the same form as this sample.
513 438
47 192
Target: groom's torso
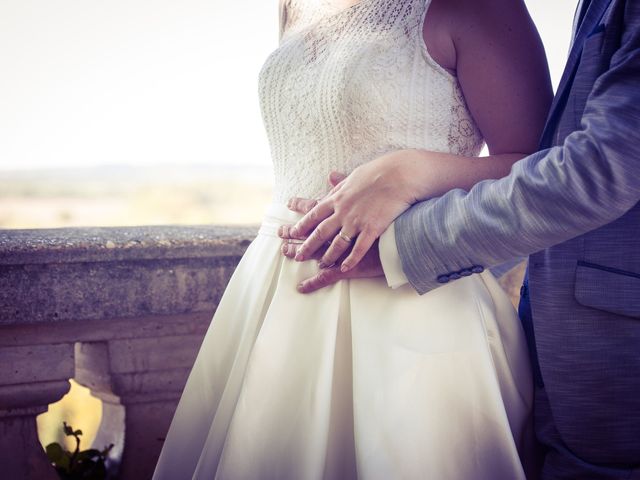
585 293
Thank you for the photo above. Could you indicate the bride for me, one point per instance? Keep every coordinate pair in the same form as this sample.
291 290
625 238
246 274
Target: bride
359 380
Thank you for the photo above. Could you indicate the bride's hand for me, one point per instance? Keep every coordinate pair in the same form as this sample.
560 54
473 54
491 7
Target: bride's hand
355 212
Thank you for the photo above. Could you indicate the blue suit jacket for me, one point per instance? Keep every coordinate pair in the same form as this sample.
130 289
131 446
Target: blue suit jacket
573 207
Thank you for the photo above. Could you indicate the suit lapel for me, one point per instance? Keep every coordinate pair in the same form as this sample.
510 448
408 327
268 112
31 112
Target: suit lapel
594 13
578 16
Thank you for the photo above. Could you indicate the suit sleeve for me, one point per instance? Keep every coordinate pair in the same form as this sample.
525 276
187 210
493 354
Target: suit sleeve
549 197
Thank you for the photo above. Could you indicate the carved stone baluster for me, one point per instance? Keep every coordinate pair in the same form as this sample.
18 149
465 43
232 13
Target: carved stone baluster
92 371
140 381
31 377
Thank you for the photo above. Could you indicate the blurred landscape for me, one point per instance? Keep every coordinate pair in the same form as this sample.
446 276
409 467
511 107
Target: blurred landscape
126 195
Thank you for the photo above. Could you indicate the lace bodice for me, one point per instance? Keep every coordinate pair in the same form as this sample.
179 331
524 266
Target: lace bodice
346 85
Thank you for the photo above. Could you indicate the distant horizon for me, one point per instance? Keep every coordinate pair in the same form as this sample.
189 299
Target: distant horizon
141 166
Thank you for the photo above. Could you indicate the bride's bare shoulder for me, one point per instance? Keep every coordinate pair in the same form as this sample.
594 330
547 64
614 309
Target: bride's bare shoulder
501 65
469 18
464 27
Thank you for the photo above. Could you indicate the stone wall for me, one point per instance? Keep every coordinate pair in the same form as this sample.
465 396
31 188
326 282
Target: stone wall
120 310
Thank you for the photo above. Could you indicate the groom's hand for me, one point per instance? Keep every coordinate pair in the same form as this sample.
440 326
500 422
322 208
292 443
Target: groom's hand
368 267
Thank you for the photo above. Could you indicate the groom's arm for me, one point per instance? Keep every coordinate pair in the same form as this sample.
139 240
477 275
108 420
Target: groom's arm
549 197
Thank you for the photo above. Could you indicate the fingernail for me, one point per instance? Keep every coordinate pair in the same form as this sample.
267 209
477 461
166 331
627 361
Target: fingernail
280 231
284 248
322 265
293 232
300 288
299 257
344 267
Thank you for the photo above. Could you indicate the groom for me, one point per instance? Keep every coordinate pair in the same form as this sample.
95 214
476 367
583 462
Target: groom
574 208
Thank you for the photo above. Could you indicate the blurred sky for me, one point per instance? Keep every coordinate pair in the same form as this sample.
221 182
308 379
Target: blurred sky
87 82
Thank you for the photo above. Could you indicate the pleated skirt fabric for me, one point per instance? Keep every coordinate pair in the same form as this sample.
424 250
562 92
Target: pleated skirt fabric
357 380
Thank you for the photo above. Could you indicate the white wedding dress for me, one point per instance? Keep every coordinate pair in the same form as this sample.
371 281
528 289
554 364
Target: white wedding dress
357 380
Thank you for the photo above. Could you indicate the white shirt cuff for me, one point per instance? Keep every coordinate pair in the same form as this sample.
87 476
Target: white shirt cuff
390 258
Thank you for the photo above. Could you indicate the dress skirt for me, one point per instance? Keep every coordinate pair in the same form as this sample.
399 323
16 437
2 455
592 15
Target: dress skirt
357 380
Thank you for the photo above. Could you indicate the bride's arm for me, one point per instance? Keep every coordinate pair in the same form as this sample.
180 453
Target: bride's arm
500 64
494 50
422 174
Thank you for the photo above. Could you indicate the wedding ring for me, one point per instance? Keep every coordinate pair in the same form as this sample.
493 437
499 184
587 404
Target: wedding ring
345 237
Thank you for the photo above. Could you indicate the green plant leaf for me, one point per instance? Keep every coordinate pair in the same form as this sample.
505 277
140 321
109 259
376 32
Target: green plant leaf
67 429
78 465
89 454
106 450
64 462
54 452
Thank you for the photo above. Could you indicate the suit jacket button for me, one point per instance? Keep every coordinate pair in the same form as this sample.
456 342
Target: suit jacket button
465 272
455 276
443 278
477 269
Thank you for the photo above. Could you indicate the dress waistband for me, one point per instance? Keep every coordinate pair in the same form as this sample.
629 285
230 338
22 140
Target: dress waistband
277 214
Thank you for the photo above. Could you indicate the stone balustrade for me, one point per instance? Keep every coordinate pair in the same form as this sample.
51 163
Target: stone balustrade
123 312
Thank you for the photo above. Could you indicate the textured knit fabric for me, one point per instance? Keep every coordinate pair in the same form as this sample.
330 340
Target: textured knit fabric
348 85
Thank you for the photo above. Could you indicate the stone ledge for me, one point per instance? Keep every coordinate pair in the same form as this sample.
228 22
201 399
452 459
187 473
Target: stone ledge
89 274
105 244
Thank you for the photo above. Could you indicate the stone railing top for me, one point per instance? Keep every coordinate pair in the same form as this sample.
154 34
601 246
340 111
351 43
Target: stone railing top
97 244
99 273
